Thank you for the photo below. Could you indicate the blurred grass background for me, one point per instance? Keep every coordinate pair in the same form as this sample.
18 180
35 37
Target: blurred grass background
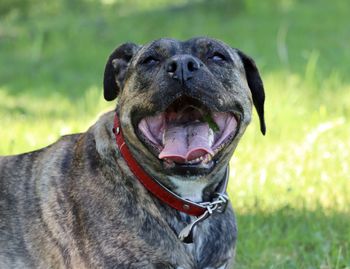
290 189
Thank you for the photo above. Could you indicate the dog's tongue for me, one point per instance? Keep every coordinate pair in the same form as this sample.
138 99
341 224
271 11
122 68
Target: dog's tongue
183 143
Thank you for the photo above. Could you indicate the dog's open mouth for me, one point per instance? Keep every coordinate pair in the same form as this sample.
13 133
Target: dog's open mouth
188 133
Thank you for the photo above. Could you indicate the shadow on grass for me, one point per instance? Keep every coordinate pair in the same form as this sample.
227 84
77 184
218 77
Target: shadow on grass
291 238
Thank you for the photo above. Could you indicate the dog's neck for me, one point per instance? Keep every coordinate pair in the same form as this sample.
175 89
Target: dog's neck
189 188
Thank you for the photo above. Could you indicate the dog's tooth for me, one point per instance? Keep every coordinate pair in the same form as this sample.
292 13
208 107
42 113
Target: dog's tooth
207 158
204 159
211 137
194 161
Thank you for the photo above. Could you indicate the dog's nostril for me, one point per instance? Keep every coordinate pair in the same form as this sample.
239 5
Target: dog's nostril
191 66
171 68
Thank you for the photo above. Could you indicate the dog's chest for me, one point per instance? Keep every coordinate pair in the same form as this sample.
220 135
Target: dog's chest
199 252
210 247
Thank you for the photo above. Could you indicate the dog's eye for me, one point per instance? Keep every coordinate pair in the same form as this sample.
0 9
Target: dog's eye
217 57
150 60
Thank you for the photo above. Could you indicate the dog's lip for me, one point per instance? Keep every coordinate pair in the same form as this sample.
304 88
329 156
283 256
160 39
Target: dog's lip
179 136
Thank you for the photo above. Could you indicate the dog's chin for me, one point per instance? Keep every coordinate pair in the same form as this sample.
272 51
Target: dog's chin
189 170
188 137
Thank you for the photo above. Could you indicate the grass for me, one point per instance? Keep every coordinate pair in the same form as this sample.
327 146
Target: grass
291 188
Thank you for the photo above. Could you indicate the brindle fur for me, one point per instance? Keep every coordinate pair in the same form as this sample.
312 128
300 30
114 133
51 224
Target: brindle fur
75 204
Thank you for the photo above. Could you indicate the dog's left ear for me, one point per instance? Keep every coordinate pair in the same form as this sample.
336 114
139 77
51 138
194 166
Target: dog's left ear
115 70
256 87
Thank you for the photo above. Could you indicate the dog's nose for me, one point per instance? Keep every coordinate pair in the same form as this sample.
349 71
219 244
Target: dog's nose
182 67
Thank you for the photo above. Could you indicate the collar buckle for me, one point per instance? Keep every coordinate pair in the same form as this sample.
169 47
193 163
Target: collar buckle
218 205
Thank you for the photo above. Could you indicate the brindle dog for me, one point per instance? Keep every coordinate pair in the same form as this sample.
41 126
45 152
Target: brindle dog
183 107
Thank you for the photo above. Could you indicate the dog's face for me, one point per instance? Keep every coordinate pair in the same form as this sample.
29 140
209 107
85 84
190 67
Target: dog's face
183 106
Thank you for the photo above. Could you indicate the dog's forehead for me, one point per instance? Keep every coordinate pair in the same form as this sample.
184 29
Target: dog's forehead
174 46
205 43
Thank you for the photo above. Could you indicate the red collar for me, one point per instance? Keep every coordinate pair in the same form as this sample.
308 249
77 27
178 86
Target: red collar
161 192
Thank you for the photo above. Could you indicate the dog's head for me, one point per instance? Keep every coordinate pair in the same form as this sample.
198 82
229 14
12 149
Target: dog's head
183 106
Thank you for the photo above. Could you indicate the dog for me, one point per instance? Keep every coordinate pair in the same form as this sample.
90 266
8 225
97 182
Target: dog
145 186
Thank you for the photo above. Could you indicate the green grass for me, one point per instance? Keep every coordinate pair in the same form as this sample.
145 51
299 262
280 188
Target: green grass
291 188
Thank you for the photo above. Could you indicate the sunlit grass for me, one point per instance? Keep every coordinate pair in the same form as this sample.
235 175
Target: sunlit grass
291 188
304 157
29 123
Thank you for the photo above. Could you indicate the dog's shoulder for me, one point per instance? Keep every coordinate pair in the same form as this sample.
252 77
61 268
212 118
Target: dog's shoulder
14 166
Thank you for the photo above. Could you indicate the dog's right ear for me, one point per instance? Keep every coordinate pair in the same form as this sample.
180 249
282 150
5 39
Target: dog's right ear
256 87
116 66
